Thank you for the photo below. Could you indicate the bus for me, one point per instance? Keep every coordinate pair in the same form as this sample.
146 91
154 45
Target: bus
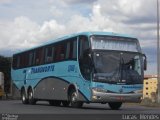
87 67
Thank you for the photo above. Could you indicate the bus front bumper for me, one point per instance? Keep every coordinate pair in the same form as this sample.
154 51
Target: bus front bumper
115 97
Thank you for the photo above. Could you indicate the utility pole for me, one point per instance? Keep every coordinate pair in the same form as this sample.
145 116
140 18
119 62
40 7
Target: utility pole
158 54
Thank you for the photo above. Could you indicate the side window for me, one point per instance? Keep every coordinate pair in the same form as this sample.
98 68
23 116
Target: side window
31 58
83 45
22 60
74 54
71 49
25 59
16 62
49 54
60 52
39 56
68 50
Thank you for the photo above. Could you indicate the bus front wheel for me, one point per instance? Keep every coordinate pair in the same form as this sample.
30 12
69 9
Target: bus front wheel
73 99
24 97
115 105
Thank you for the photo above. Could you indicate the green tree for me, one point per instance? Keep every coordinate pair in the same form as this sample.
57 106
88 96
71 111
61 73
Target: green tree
5 67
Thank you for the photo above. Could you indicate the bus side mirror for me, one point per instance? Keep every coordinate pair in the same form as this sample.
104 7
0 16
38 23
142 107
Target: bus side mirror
145 62
87 53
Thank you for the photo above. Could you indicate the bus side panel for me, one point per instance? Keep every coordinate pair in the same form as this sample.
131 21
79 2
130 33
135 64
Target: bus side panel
18 78
51 88
52 84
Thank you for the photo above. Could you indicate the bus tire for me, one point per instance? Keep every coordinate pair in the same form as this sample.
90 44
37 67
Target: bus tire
73 99
65 103
55 102
31 99
24 97
115 105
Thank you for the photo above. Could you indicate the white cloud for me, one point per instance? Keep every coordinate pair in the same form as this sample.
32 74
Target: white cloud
5 1
135 17
25 31
50 30
56 12
73 2
127 8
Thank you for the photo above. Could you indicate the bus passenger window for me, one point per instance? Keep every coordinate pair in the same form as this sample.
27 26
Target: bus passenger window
74 56
18 61
31 57
22 61
71 49
60 52
84 45
49 54
39 56
62 56
57 53
14 65
25 59
68 50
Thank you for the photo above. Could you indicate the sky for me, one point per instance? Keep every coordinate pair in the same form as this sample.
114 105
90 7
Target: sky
28 23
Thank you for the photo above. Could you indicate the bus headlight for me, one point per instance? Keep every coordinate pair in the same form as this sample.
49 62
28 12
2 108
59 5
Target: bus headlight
98 90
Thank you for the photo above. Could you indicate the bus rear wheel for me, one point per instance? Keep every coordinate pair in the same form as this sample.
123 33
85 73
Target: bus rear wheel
31 99
24 97
73 100
115 105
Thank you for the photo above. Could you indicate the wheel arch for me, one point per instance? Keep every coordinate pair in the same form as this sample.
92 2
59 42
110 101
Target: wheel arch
30 88
72 87
23 89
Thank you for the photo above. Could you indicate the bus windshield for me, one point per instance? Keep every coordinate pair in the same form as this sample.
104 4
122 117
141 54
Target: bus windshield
117 67
117 59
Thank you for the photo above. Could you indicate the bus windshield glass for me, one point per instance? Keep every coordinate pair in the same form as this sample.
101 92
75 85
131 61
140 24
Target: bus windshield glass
117 59
117 67
115 43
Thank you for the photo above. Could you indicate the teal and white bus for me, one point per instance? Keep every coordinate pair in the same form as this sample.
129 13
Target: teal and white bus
88 67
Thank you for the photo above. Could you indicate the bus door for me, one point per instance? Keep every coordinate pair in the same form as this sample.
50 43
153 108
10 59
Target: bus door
85 64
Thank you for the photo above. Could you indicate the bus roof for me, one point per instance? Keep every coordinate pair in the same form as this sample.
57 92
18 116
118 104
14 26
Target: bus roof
89 33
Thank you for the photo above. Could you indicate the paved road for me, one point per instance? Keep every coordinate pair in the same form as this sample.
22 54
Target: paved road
43 108
15 106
